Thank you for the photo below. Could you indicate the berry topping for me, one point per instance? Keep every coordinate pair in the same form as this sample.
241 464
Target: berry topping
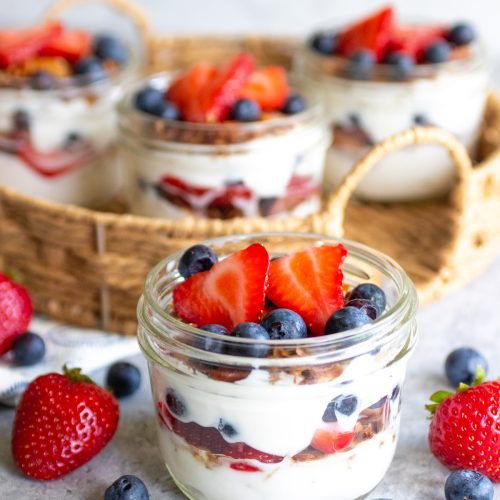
468 485
401 65
437 52
70 45
167 111
366 306
371 292
231 292
309 283
461 34
245 110
127 488
148 100
175 403
372 33
123 379
196 259
28 349
221 330
90 68
462 364
213 345
16 311
324 43
345 405
108 47
267 86
294 104
42 80
66 419
254 331
283 324
345 319
414 39
329 438
361 64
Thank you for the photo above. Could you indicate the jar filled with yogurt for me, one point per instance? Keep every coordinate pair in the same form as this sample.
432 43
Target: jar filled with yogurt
220 142
377 77
58 91
277 363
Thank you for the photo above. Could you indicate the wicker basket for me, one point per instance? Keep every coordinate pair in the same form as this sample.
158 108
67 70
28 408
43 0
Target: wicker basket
88 268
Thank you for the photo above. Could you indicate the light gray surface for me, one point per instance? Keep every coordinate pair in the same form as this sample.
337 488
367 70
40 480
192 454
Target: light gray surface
470 316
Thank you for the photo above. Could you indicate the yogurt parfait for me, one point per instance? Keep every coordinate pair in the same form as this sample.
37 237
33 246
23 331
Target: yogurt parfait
277 363
58 89
225 141
377 77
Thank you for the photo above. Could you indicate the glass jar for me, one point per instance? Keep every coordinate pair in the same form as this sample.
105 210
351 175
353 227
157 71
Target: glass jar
58 143
361 113
232 423
273 167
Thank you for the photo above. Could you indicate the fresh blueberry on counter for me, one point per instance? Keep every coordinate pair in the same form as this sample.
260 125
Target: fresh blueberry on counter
324 43
345 405
123 379
371 292
226 429
167 111
345 319
245 110
127 487
468 485
461 365
196 259
28 349
284 324
461 34
108 47
437 52
367 306
213 345
252 331
361 64
175 403
401 64
91 68
148 99
294 104
42 80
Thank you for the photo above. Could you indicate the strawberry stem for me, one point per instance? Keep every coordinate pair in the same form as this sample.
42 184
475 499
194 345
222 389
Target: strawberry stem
14 275
76 375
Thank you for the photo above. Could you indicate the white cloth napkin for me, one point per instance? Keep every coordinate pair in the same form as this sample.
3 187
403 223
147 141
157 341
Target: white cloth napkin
76 347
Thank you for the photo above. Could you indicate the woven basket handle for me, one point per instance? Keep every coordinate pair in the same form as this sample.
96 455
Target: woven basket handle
418 135
125 7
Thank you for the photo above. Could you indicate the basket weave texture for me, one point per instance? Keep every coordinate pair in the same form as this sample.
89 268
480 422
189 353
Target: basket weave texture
88 268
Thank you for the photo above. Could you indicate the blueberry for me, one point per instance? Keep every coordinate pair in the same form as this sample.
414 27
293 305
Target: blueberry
28 349
90 68
245 110
345 319
42 80
367 306
294 104
252 331
421 119
226 429
461 34
123 379
401 65
108 47
437 52
284 324
345 405
361 64
213 328
166 110
468 485
213 345
175 403
371 292
461 365
148 99
324 43
127 488
196 259
21 120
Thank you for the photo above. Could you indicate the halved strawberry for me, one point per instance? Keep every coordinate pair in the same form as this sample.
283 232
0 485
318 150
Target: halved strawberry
309 283
268 86
372 33
18 45
414 39
231 292
329 438
71 45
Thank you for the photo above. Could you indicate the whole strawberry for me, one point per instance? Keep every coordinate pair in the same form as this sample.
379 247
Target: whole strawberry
465 428
62 421
16 311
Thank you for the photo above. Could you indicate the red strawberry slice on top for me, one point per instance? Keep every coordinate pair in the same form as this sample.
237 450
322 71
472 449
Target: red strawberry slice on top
309 283
268 86
231 292
372 33
71 45
414 39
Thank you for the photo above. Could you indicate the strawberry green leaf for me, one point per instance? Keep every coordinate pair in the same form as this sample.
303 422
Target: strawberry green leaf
440 396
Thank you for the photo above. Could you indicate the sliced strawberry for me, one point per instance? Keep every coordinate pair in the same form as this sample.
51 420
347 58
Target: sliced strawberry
231 292
329 438
71 45
413 39
18 45
309 283
268 86
372 33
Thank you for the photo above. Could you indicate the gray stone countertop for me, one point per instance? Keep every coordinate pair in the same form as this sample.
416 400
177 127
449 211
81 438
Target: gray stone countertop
470 316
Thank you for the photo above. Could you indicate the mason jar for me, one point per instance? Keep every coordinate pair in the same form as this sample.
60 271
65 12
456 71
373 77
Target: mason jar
230 425
273 167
